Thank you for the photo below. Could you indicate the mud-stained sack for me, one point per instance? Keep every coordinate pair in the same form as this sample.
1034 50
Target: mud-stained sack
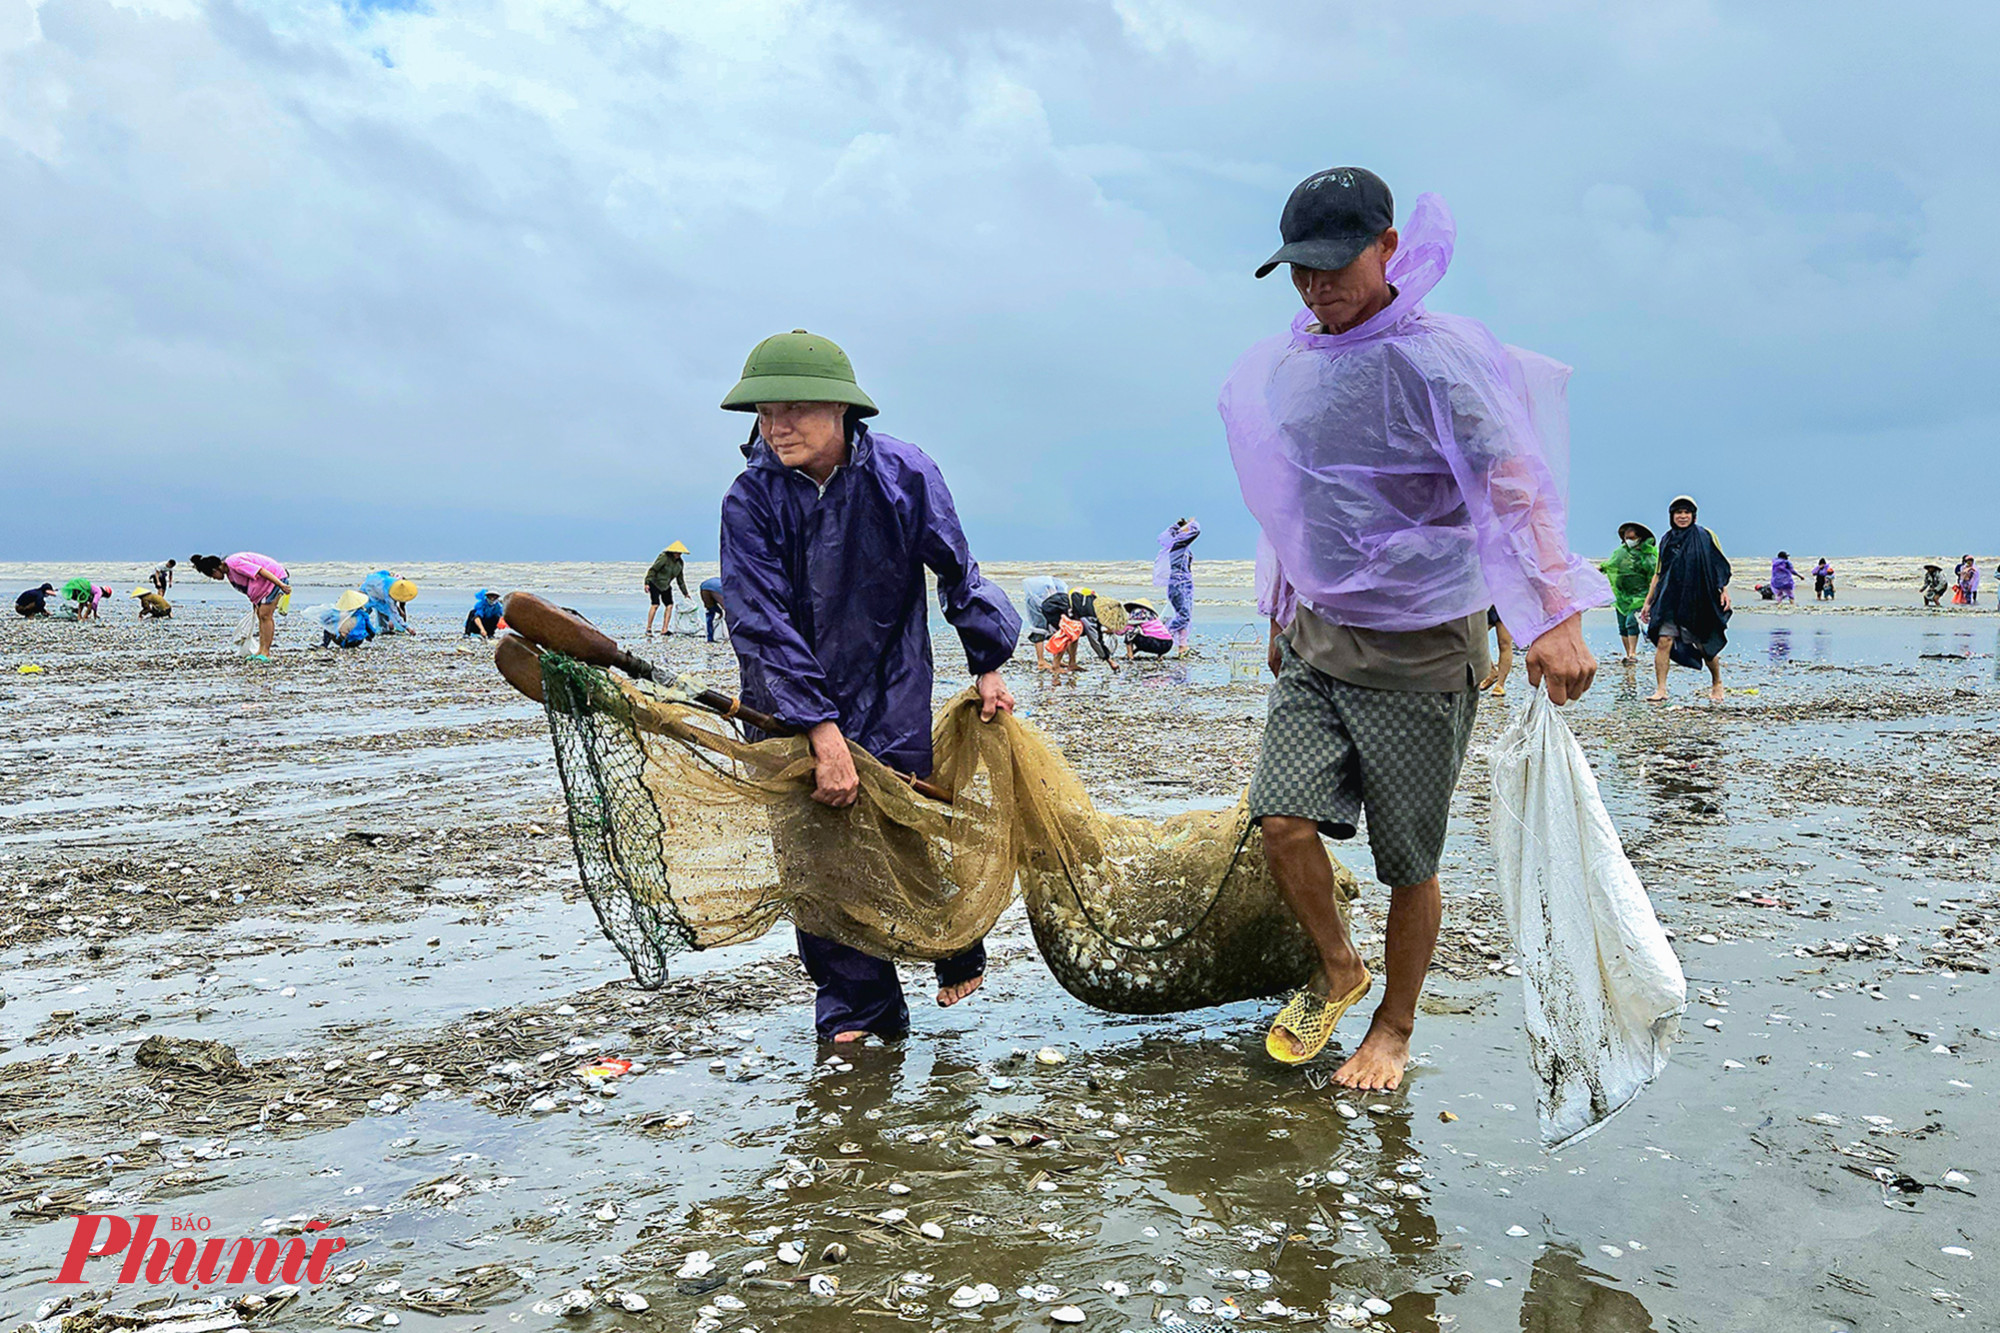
1605 993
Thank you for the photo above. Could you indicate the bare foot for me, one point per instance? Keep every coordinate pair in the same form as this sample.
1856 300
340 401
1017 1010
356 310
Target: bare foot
1715 693
1657 697
951 995
856 1034
1378 1065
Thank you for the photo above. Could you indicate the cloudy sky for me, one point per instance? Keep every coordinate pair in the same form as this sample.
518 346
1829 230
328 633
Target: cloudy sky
466 279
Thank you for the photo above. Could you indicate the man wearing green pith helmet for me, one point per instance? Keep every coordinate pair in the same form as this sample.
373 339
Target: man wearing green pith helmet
826 537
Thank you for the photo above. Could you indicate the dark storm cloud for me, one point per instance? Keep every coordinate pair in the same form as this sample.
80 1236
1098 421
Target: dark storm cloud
468 279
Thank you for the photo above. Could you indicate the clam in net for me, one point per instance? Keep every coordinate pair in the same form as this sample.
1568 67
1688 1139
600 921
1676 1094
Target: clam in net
690 837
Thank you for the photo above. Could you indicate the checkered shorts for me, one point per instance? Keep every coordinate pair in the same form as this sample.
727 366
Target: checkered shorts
1332 749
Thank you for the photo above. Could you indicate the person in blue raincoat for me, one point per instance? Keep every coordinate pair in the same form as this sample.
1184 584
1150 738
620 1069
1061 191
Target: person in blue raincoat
484 617
826 536
382 608
711 603
347 623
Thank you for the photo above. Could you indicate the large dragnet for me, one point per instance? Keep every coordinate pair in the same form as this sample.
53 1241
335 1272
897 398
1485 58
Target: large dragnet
690 837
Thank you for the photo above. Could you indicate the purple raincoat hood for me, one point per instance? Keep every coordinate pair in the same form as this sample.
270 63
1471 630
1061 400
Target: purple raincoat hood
1412 470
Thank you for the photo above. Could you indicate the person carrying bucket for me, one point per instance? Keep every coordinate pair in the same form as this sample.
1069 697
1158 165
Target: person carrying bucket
826 537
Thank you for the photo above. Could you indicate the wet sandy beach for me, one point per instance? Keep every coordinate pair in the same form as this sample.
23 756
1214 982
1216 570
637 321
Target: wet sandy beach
352 869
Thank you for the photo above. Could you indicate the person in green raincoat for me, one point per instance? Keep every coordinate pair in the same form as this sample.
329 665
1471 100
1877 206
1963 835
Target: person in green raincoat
1630 569
668 568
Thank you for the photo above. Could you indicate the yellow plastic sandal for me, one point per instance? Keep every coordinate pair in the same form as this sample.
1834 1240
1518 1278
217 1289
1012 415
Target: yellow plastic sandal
1305 1025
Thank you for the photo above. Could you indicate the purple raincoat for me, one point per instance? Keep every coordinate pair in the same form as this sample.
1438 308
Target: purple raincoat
826 594
1412 470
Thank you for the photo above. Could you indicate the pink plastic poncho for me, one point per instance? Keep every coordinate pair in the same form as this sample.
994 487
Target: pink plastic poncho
1412 470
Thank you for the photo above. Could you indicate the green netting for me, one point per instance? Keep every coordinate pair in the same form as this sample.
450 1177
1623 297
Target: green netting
613 820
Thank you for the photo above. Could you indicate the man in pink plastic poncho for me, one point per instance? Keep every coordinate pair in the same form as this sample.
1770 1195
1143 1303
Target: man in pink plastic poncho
1405 468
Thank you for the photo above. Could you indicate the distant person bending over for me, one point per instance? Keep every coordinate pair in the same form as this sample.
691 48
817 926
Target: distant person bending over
484 617
1075 617
1084 609
34 602
711 603
1630 569
347 623
668 568
827 535
1822 581
162 577
1145 632
259 578
1036 590
1395 460
1173 569
152 606
1063 639
401 593
1687 608
1934 585
83 597
1783 578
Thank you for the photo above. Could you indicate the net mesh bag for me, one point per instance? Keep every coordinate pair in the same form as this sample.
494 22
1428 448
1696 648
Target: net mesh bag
690 837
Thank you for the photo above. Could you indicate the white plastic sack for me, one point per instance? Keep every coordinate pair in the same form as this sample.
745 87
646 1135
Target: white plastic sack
245 637
1605 993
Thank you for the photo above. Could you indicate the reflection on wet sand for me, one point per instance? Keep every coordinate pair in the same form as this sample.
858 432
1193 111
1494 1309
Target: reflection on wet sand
1563 1296
1198 1184
1684 781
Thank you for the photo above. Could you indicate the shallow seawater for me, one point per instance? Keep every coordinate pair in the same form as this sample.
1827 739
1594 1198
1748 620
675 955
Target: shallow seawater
1164 1167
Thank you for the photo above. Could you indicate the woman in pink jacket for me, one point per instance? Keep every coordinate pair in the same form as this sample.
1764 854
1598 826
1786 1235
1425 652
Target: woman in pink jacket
258 577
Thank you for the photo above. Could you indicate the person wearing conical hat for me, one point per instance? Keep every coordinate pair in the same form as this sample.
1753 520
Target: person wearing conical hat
827 535
1934 585
668 568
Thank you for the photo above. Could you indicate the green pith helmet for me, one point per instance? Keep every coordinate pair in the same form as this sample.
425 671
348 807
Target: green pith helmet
797 367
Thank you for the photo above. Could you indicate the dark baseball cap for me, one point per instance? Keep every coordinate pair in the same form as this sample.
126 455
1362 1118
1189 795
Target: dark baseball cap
1332 216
